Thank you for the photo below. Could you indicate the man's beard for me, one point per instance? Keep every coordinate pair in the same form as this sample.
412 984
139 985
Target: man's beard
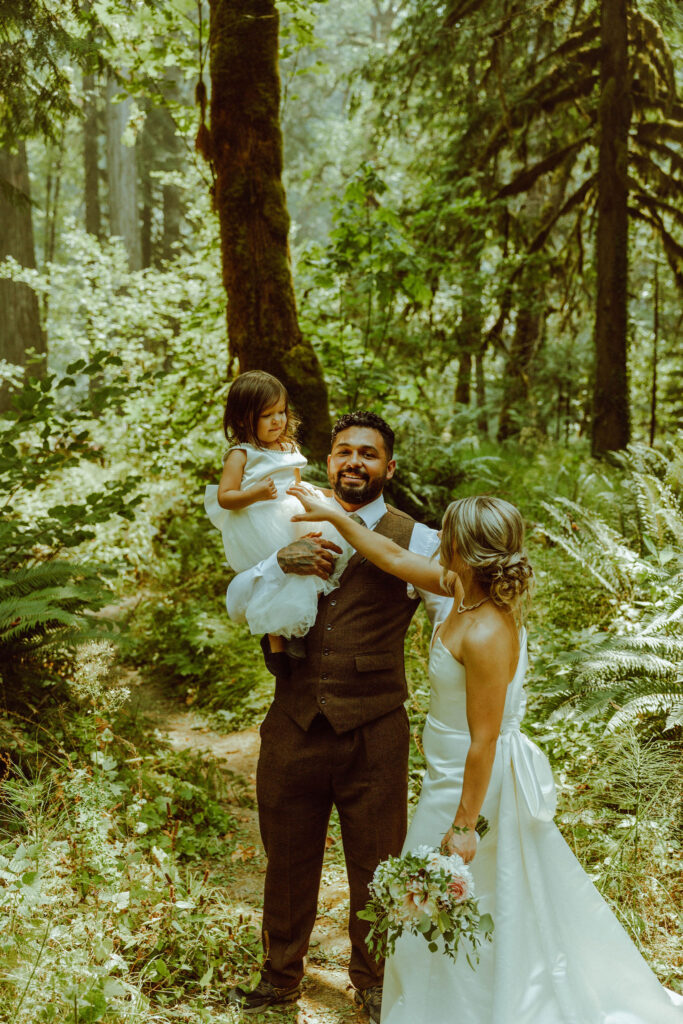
360 493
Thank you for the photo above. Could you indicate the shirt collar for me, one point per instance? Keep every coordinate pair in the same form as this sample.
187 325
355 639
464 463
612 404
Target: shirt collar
372 512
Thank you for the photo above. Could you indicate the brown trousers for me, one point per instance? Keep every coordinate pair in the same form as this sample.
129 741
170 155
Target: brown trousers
301 775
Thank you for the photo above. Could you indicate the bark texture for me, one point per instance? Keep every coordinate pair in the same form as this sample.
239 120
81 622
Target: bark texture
516 383
245 145
517 408
20 330
160 149
93 221
122 177
611 428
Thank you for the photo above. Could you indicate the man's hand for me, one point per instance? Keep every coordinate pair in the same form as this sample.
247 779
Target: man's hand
309 556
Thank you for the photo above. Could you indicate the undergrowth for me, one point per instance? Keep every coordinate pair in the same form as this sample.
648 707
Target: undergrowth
114 859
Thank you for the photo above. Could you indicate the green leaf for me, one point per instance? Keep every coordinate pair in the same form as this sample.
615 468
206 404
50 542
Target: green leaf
486 924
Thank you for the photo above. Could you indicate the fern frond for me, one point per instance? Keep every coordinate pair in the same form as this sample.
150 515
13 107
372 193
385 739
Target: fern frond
651 704
676 715
614 664
49 603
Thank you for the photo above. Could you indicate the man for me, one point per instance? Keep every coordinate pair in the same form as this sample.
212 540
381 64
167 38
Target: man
337 732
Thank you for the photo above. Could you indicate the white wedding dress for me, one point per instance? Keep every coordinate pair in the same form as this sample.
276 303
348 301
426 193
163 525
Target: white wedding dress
558 956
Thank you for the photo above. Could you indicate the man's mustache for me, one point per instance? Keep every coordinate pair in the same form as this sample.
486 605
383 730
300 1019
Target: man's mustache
359 473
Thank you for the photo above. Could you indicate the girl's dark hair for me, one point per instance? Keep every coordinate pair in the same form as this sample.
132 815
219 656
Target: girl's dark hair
249 395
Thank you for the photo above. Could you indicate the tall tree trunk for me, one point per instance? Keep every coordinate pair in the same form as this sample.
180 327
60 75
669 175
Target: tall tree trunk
172 207
516 392
482 421
471 318
146 195
655 345
20 330
160 149
245 144
462 384
611 427
122 178
91 159
532 304
173 160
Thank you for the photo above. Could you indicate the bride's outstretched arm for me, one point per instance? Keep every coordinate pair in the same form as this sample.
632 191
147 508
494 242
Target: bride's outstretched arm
424 573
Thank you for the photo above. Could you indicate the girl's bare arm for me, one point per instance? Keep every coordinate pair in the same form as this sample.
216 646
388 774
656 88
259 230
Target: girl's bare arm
229 494
422 572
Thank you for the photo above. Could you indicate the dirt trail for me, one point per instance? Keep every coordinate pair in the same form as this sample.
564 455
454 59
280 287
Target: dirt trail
326 998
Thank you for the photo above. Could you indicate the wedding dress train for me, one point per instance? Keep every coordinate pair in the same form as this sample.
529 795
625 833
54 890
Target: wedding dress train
558 956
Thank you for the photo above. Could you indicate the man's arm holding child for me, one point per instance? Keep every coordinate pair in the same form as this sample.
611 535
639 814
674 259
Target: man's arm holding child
311 555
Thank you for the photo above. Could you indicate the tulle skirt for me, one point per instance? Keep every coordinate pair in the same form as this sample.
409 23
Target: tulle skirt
287 607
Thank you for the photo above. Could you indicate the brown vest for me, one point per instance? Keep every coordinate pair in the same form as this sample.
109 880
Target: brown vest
354 671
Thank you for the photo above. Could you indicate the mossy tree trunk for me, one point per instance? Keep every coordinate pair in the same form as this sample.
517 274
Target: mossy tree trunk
245 146
469 330
517 406
516 409
91 160
611 429
122 177
21 337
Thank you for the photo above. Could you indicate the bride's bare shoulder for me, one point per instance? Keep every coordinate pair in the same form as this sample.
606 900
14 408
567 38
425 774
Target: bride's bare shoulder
490 637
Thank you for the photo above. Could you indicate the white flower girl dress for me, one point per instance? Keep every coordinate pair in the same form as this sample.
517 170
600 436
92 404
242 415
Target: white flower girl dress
558 956
251 534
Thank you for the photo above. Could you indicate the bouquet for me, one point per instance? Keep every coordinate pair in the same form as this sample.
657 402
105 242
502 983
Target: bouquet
426 893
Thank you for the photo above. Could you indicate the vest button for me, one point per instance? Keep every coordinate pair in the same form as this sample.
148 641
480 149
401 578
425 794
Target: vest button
326 651
324 676
323 701
333 603
330 626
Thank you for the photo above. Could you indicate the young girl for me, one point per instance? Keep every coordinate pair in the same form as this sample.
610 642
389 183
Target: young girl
253 511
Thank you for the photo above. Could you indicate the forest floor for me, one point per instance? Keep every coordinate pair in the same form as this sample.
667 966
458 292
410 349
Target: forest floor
327 997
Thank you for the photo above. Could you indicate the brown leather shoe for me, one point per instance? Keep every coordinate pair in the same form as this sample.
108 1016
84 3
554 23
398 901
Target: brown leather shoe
371 1001
263 996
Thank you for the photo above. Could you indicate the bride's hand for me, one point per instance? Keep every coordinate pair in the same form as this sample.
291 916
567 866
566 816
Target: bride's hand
315 509
460 841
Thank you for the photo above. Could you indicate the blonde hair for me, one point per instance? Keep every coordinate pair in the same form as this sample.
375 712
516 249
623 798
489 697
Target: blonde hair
487 533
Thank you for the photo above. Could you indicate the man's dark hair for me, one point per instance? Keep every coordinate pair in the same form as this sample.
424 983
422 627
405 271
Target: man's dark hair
366 419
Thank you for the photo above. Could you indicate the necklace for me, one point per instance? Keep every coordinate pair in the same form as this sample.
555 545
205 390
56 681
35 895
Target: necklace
462 607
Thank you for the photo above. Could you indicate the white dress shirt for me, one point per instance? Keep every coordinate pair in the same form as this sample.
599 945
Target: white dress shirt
424 541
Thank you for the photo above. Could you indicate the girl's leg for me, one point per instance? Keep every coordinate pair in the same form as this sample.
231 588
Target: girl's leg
277 643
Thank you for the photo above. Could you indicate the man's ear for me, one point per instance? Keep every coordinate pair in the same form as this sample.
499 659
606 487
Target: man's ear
391 468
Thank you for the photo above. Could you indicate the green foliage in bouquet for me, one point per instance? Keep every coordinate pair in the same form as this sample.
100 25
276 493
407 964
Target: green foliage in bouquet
425 893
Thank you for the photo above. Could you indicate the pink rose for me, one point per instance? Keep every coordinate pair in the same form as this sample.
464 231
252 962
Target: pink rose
458 889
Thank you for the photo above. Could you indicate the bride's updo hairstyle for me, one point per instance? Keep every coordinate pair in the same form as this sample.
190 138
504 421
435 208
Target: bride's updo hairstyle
487 534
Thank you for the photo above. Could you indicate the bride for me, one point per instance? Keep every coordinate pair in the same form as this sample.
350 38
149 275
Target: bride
558 954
